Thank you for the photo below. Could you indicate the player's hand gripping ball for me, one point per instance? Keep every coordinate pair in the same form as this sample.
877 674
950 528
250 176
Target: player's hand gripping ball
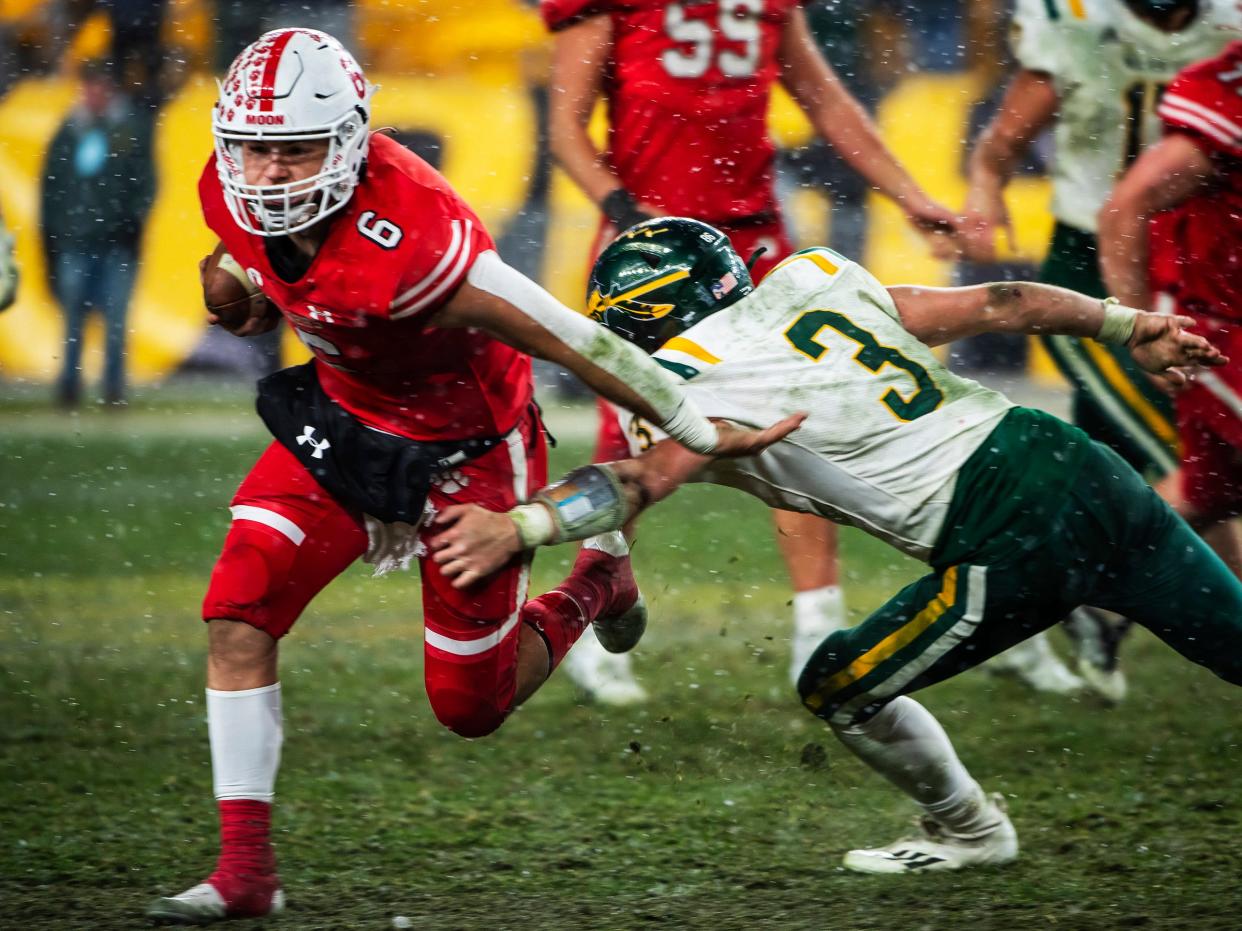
233 300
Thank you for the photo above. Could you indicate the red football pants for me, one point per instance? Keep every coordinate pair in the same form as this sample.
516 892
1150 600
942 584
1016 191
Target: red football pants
1209 423
289 538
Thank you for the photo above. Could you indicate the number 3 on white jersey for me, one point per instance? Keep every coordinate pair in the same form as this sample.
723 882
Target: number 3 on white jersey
739 23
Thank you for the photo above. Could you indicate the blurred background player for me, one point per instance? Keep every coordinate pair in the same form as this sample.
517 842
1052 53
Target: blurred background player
1097 70
688 88
98 186
1171 240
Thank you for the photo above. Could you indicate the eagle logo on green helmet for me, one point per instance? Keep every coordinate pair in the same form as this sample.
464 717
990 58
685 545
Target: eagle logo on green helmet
661 277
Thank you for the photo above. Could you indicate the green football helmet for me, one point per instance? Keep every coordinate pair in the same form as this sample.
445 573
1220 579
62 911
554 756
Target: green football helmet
662 276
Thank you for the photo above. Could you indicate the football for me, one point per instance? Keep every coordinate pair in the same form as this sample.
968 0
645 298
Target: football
231 297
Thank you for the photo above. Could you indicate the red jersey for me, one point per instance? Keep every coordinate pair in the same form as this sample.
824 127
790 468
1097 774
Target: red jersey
688 88
395 254
1197 246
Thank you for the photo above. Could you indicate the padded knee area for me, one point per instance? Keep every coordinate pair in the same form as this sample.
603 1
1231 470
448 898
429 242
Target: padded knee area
251 570
241 575
466 714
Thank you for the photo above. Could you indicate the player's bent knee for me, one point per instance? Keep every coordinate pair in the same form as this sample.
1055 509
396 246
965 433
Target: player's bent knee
238 645
251 570
466 714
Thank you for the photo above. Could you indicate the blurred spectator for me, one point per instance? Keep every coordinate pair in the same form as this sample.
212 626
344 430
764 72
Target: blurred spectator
8 268
98 185
138 59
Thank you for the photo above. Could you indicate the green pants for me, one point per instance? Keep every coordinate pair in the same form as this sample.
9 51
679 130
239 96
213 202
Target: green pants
1043 520
1114 400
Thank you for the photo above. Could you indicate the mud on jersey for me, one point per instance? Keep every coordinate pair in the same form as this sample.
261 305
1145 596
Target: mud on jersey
889 426
1110 69
394 255
688 88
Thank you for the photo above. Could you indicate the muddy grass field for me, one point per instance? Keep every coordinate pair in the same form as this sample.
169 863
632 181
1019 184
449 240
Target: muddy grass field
720 804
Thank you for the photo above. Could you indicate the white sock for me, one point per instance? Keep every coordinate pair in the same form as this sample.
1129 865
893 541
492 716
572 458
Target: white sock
909 748
819 611
968 812
246 733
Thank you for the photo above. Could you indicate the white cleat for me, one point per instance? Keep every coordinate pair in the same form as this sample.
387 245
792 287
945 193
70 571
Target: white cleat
202 905
1096 637
606 677
1034 663
934 848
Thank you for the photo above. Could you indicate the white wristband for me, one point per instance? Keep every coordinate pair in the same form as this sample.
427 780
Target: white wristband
1118 325
691 429
534 525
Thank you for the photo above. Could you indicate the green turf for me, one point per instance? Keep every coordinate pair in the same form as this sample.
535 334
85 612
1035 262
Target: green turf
720 804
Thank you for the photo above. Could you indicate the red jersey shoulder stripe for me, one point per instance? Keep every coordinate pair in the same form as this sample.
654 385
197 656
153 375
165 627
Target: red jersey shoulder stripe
1177 109
447 272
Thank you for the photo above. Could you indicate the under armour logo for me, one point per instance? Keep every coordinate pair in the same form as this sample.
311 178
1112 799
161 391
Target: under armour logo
308 436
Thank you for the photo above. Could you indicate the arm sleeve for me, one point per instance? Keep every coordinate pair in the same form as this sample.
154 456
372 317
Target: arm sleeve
622 360
1200 106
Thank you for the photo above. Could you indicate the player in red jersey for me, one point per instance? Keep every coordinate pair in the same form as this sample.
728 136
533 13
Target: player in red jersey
419 396
1171 239
688 87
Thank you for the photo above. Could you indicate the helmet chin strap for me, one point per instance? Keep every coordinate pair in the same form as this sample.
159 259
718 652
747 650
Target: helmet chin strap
754 257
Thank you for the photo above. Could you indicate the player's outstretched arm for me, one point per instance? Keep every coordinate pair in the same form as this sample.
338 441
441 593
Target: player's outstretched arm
1165 174
1029 104
516 311
580 62
470 543
841 120
1161 344
942 315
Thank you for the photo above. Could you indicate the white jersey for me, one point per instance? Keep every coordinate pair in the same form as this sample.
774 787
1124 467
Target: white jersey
1110 69
889 426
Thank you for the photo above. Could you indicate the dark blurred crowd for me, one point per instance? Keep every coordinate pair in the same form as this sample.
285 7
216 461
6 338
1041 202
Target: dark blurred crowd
99 178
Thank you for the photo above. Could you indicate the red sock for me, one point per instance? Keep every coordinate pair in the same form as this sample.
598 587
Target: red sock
560 621
598 581
245 874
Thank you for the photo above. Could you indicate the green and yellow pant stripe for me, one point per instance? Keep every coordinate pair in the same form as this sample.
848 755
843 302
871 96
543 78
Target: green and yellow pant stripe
855 672
1106 540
